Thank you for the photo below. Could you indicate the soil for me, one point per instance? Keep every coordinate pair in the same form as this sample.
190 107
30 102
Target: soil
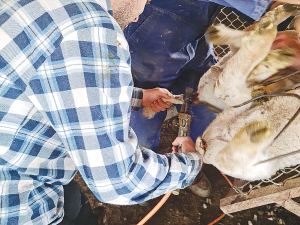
189 209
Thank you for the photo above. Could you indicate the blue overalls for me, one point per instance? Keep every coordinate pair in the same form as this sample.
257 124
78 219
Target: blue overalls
169 50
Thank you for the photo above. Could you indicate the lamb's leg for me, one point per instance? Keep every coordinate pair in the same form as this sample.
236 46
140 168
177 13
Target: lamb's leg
276 60
280 13
222 35
231 85
149 113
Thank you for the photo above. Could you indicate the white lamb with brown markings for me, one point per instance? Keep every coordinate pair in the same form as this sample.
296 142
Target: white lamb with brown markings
240 137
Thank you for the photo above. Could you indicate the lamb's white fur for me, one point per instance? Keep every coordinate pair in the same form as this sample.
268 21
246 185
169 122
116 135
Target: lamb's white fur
240 137
238 160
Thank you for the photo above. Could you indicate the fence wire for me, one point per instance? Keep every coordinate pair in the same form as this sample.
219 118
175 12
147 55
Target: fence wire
278 179
232 20
229 18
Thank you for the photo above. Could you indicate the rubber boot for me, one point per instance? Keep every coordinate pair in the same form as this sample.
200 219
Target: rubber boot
201 185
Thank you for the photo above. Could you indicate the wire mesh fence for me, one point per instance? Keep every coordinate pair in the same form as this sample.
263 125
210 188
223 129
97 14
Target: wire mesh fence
229 18
278 179
232 20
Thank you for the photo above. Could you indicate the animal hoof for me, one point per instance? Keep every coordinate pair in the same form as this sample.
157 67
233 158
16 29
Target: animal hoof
212 33
266 27
289 7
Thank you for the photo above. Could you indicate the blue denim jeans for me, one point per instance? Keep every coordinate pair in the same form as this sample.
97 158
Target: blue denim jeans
168 49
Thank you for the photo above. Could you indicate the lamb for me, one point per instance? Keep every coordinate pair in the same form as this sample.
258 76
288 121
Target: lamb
241 137
234 79
227 84
237 141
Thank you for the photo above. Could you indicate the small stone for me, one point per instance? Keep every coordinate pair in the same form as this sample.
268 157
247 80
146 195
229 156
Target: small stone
255 218
270 218
204 206
260 212
228 214
250 223
209 201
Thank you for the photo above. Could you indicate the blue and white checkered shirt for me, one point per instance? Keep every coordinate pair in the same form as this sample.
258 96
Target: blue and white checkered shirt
65 100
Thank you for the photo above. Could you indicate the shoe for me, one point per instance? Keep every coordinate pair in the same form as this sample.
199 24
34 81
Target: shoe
201 185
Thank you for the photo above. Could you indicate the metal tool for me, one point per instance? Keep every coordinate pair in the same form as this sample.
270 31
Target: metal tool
184 117
185 120
278 157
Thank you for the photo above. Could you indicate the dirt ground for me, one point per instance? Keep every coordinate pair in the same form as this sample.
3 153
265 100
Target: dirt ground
189 209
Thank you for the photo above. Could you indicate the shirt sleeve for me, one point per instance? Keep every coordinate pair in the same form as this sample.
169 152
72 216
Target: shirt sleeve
85 90
137 97
252 8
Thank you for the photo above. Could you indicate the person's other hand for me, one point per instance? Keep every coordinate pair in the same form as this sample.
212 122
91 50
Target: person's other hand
288 41
153 97
187 144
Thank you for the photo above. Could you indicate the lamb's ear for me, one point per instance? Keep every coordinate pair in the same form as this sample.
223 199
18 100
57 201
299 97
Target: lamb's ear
276 60
200 146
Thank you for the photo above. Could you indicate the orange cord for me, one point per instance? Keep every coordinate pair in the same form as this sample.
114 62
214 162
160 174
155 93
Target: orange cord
216 220
226 178
220 217
155 209
165 198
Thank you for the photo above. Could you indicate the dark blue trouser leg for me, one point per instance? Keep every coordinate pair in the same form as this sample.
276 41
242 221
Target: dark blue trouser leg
77 209
168 49
147 130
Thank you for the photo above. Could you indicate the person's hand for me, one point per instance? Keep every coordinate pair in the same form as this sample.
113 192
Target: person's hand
283 40
153 97
187 144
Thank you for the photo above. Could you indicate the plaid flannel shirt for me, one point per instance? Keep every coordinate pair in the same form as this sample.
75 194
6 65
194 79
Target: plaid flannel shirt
65 100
